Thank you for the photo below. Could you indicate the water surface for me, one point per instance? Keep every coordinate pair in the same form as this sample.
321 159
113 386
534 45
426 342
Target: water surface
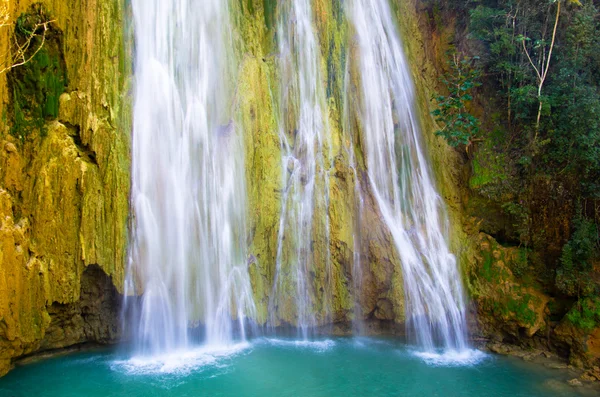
284 367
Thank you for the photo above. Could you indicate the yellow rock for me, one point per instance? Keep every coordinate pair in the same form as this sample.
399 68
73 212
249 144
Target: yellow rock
64 196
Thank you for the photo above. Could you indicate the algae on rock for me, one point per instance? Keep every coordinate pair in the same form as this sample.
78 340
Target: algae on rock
259 113
64 184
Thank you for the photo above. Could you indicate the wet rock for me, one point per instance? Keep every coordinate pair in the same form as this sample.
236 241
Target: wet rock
384 310
584 347
530 356
575 382
556 386
500 348
588 377
556 365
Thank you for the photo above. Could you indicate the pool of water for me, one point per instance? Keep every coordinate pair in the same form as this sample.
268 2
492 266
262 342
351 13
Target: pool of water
284 367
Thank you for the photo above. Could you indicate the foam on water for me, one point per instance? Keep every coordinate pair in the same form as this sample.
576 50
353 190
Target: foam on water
180 363
366 342
316 345
452 358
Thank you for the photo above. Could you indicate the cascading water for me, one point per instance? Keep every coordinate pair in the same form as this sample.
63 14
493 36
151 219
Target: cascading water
402 183
188 255
303 135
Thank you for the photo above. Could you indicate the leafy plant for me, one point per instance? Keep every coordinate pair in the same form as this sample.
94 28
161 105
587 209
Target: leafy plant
460 126
572 275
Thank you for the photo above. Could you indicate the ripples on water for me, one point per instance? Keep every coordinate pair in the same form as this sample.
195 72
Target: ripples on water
287 367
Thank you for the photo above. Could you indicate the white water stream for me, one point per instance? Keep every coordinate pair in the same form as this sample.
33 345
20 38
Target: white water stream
303 135
402 182
188 254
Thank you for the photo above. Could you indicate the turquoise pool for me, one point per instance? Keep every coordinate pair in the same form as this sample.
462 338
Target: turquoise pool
285 367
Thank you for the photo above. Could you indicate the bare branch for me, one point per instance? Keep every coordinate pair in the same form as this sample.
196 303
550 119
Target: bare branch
553 40
18 54
531 60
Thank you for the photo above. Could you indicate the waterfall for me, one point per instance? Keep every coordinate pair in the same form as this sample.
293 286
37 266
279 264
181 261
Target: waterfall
188 254
303 135
188 251
402 183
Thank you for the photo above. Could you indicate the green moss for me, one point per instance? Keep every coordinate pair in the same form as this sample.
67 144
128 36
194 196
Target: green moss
520 265
498 308
270 7
585 314
487 172
38 84
489 272
520 308
336 53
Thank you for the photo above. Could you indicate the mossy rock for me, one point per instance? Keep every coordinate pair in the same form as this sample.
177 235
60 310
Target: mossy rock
38 84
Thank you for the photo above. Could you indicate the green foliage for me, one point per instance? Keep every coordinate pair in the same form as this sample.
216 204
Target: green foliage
573 273
491 26
574 133
460 126
511 36
585 314
512 30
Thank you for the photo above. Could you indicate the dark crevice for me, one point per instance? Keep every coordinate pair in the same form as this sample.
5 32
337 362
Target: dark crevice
85 150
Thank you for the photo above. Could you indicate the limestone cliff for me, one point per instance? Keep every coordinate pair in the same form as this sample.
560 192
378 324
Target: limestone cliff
355 230
64 179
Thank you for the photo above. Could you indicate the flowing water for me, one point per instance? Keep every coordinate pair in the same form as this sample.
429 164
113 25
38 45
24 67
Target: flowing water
402 182
188 254
303 135
279 367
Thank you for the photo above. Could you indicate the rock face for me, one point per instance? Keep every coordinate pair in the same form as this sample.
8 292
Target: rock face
582 346
64 180
514 308
356 232
94 317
